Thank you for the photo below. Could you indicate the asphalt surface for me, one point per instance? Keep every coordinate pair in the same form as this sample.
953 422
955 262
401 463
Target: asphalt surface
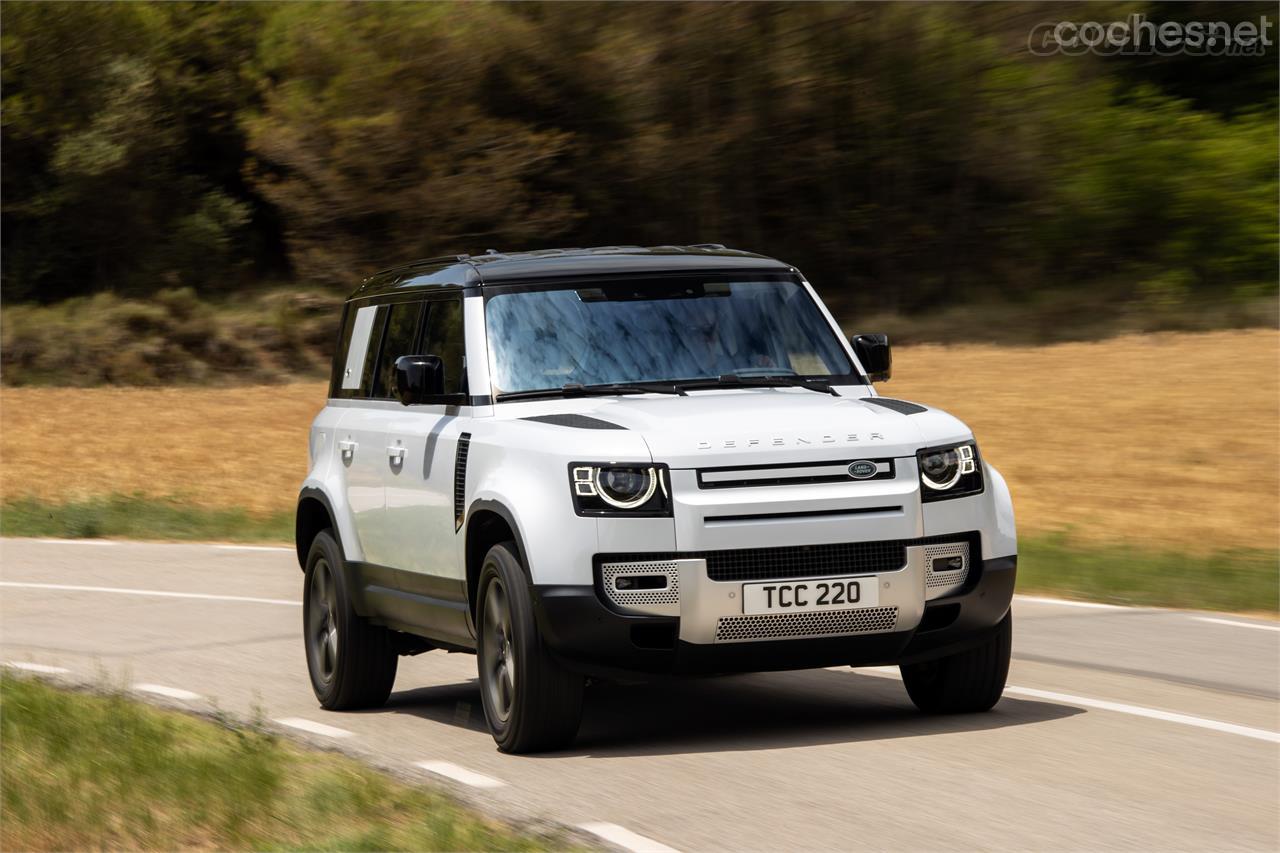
1122 728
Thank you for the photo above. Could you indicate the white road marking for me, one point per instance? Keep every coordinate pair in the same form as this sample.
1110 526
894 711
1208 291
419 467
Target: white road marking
314 727
460 774
1236 624
625 838
251 548
76 541
37 667
152 592
1150 713
1103 705
1066 602
171 692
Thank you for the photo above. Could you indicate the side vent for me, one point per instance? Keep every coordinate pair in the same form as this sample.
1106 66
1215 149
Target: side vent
460 481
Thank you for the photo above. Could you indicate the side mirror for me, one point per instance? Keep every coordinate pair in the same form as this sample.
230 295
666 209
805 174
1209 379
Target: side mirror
419 379
873 351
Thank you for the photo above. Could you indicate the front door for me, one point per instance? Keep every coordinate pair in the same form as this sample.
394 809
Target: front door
418 514
419 490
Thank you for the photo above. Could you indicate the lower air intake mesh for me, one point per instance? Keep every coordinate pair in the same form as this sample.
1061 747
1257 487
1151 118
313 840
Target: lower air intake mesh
845 558
670 594
773 626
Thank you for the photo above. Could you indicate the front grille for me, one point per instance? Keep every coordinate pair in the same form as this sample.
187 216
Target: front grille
771 626
803 561
799 474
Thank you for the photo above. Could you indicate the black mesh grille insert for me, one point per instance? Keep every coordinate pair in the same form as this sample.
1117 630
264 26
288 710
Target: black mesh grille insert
798 561
460 480
844 558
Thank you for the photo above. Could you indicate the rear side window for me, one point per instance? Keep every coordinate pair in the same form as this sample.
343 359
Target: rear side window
399 338
353 362
443 336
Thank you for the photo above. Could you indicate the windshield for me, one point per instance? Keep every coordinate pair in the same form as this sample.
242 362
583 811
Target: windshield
664 329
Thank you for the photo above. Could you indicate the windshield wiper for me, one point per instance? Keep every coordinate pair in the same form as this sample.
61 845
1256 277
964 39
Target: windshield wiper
623 388
732 380
608 389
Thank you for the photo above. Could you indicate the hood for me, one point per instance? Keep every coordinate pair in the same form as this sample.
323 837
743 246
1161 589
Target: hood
770 426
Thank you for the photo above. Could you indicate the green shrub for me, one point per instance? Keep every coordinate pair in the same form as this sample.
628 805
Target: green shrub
173 337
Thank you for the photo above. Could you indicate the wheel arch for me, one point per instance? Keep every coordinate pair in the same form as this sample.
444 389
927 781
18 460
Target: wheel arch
489 523
314 514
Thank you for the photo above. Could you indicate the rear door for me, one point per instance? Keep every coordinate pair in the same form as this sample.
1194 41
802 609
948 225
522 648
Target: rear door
357 435
377 330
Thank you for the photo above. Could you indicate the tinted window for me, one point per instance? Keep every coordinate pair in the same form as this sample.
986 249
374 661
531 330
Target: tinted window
660 329
444 337
357 350
399 338
340 354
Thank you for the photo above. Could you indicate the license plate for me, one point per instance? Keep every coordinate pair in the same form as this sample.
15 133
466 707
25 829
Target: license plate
808 595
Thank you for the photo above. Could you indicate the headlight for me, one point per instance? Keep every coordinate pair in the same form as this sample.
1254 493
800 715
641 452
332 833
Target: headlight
634 490
949 472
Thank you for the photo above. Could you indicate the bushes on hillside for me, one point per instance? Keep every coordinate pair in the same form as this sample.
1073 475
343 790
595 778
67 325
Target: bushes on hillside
171 337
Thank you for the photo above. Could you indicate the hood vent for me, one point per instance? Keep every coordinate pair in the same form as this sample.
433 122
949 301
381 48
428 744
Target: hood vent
573 420
902 407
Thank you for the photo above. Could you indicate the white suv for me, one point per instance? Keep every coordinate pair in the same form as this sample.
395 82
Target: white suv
622 461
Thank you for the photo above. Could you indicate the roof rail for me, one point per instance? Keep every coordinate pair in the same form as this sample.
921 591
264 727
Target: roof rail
706 245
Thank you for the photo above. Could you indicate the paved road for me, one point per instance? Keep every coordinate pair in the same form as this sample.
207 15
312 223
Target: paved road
1122 728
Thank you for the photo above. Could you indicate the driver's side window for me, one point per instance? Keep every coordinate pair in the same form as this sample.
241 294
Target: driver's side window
443 336
399 338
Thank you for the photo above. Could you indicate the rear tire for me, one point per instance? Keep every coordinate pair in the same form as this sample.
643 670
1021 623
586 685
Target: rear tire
963 683
352 662
531 702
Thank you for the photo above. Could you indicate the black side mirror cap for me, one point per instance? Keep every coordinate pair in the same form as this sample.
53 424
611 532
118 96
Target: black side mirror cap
874 353
419 379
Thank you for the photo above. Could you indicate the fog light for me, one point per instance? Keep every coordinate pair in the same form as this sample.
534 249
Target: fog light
948 564
640 582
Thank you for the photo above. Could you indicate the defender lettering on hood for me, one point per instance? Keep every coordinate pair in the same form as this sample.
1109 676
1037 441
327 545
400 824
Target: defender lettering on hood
797 441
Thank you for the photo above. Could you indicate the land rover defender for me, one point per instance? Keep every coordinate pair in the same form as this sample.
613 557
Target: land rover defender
637 462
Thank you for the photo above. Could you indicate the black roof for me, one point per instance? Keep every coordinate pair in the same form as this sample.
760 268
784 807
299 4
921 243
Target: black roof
502 268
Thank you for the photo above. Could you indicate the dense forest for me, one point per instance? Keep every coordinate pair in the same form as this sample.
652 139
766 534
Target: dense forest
904 156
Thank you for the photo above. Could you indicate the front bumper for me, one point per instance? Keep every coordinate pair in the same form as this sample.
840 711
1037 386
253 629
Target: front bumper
591 637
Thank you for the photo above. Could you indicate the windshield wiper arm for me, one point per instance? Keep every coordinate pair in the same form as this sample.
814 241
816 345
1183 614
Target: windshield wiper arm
530 395
623 388
732 380
574 390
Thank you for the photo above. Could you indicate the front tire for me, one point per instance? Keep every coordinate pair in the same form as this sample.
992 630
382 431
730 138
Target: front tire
530 701
963 683
352 662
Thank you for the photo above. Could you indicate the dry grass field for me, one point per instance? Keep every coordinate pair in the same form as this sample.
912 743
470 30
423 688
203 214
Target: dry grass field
1167 441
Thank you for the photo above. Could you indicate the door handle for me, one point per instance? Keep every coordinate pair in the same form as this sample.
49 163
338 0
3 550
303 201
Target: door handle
347 448
395 452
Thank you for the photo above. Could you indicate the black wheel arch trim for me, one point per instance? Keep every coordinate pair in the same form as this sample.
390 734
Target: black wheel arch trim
318 495
500 509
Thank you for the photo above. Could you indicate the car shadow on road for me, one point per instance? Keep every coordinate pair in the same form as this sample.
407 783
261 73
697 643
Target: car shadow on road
739 712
